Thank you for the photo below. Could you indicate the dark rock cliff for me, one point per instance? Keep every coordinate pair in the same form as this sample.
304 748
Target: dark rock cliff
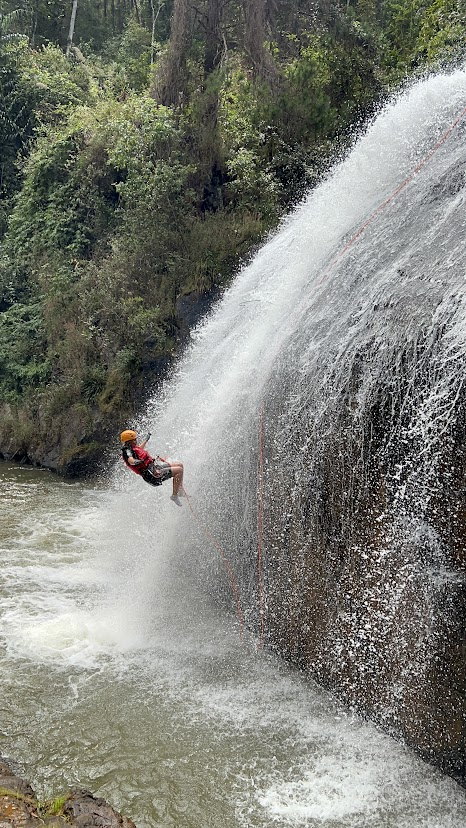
365 563
374 608
364 447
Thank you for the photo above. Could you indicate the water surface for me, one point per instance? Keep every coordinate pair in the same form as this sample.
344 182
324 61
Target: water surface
155 704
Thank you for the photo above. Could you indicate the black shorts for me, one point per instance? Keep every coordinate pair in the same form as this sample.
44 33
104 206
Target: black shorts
156 473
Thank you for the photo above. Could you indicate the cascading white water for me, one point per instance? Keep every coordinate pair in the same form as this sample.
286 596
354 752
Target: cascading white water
371 432
119 671
324 302
221 383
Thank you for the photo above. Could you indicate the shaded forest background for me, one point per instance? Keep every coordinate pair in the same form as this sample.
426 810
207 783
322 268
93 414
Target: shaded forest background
146 149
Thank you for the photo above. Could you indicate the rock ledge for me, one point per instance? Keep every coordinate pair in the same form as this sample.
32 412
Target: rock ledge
20 808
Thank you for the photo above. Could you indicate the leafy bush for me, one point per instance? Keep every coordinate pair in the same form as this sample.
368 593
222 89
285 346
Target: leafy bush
23 359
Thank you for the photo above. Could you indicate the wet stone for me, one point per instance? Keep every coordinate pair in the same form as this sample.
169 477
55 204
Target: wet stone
19 807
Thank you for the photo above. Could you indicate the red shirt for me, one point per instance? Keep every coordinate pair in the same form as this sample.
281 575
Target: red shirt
139 454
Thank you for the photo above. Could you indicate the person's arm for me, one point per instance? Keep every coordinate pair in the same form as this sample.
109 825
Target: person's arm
143 445
132 460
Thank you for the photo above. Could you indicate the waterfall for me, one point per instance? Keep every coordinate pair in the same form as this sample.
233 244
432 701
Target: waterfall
348 331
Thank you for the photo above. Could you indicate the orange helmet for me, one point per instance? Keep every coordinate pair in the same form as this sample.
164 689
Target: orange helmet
128 435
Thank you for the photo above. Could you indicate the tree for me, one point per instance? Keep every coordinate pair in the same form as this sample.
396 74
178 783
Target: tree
154 18
69 42
8 21
16 111
213 36
256 19
46 21
170 80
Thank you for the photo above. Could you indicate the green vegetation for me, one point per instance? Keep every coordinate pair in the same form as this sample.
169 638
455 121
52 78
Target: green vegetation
53 807
143 156
44 810
14 794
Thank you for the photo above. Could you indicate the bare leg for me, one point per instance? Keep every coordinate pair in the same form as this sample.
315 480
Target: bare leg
177 471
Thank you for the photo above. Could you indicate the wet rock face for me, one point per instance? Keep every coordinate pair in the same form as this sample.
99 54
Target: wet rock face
190 308
365 554
364 494
85 811
19 807
72 445
17 800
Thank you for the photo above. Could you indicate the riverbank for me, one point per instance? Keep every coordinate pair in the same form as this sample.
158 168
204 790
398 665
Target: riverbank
20 808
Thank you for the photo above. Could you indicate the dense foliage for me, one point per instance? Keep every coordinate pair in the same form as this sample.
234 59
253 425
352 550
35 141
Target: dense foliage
144 153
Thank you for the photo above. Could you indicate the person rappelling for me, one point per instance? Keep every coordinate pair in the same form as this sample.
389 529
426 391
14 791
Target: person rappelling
154 470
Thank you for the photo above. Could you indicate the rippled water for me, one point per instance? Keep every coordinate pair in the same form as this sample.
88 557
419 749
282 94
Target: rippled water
155 703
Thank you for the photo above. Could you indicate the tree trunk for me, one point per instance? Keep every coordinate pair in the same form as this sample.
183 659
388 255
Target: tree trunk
255 35
134 5
170 80
155 15
213 40
69 42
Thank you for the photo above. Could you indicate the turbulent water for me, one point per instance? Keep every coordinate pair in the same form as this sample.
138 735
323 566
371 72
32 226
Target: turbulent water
119 680
120 671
